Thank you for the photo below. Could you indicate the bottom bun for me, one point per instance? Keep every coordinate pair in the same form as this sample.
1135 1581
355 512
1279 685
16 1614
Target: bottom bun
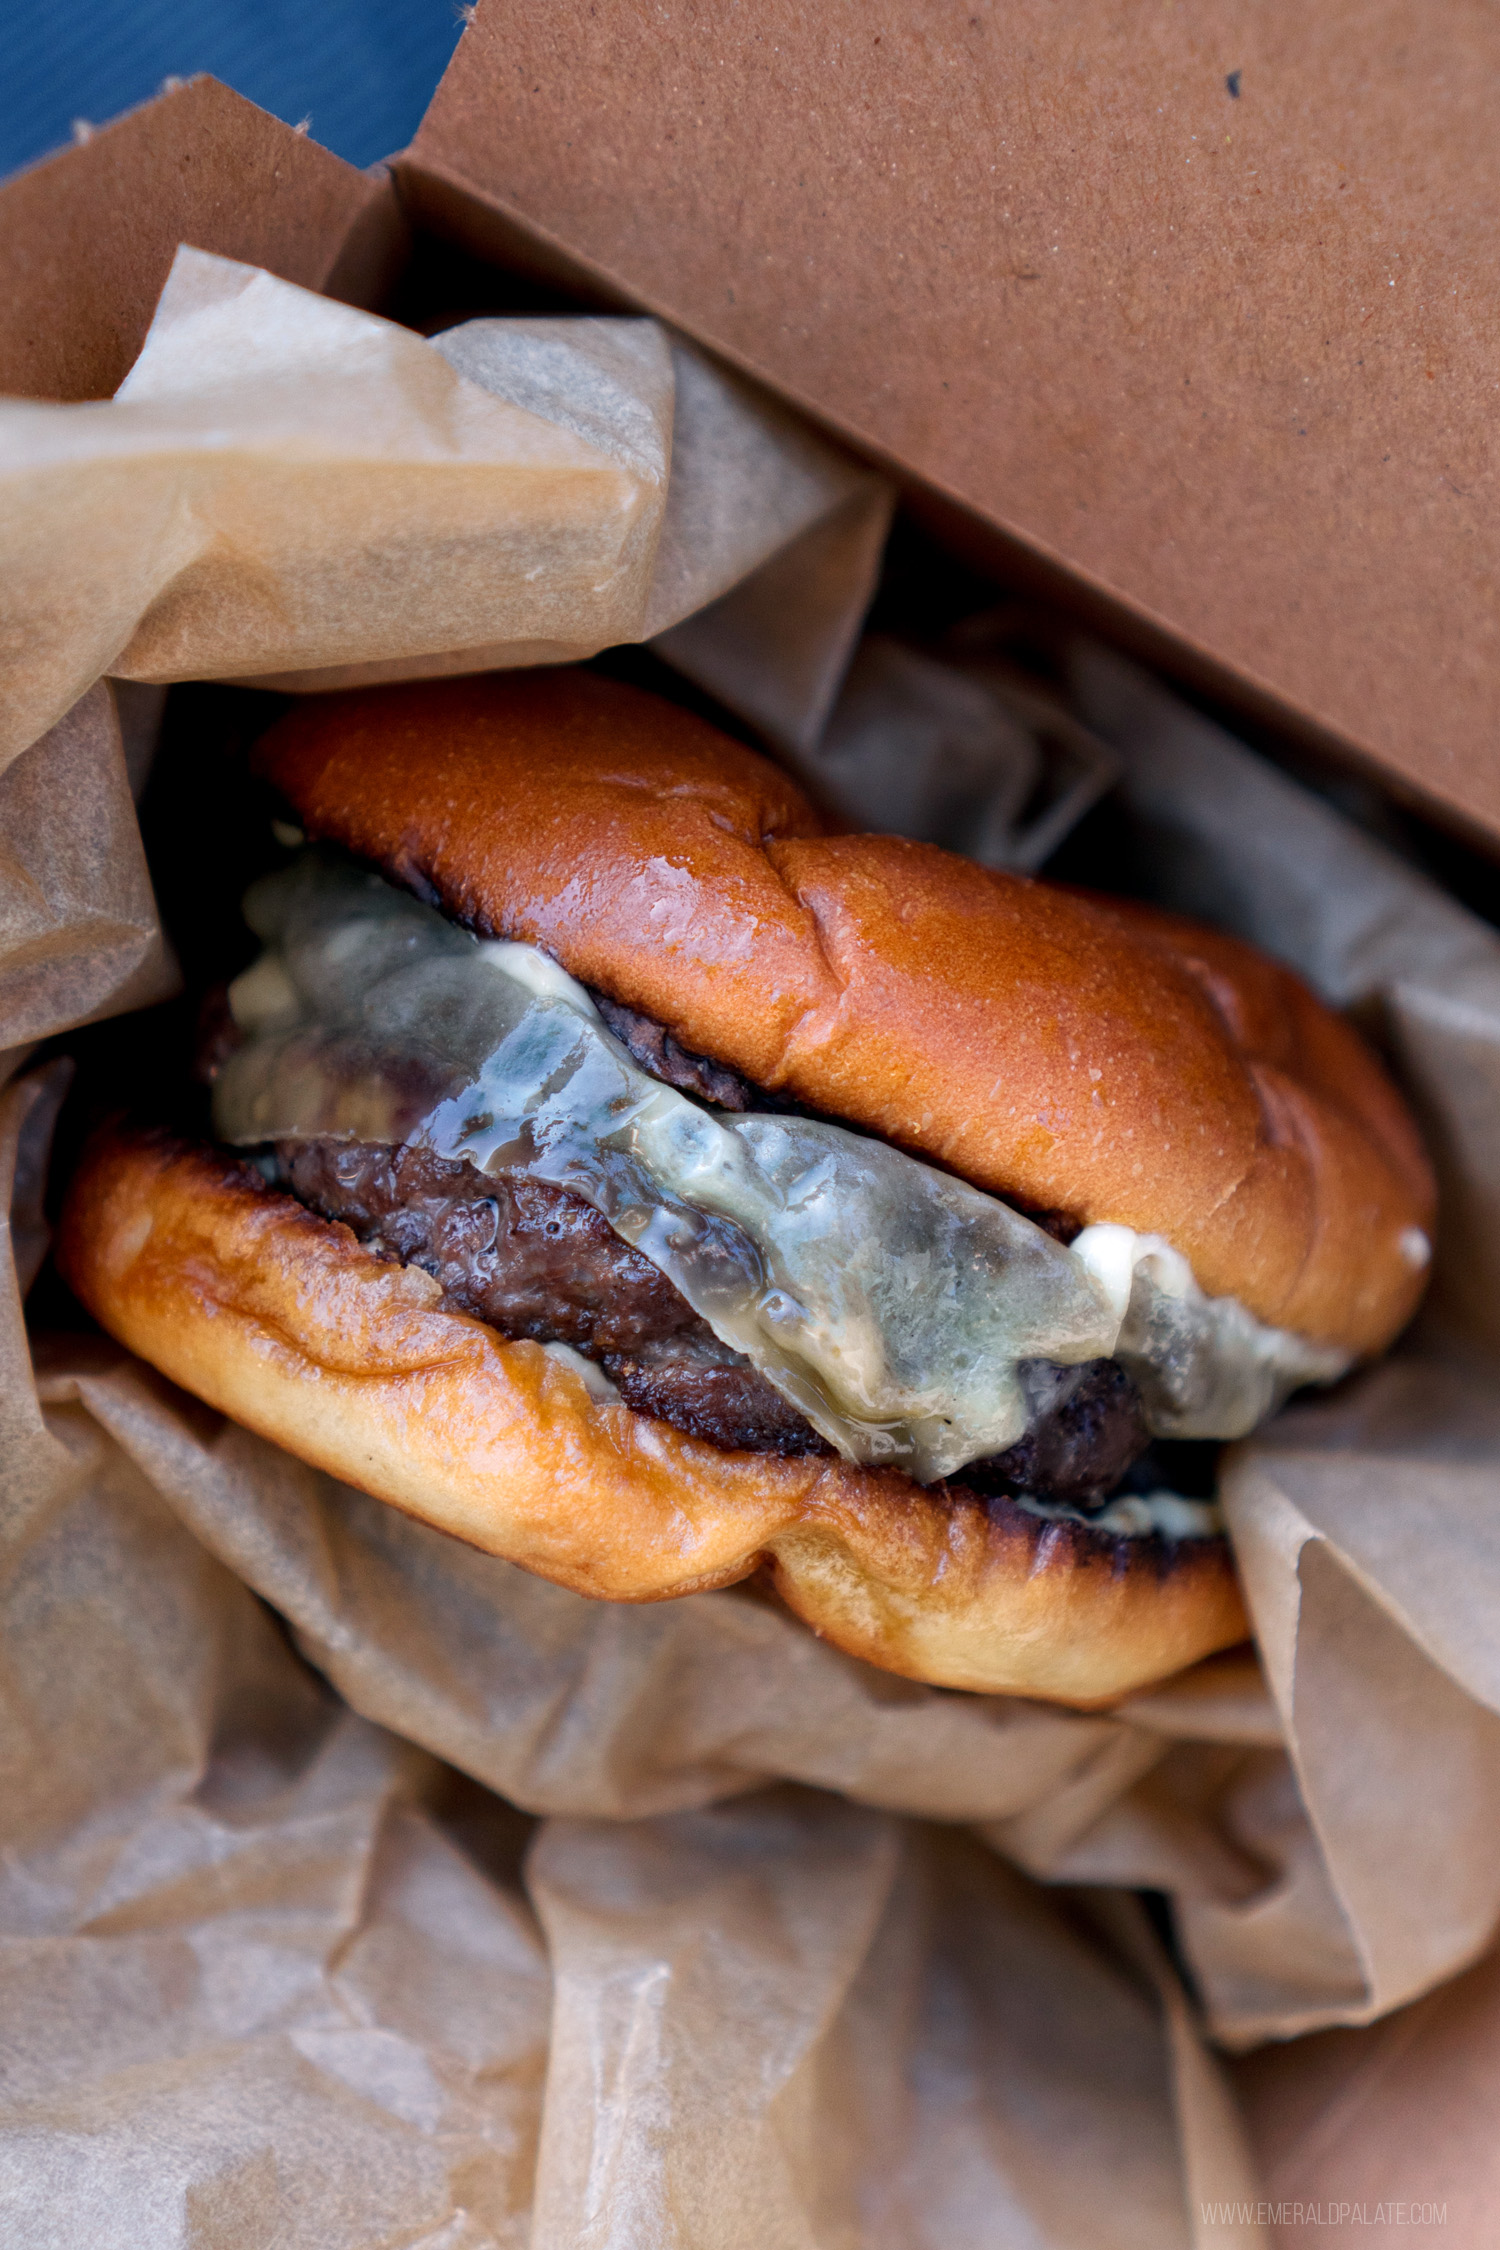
287 1324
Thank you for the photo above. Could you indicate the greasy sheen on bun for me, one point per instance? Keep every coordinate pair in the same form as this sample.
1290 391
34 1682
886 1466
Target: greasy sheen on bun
1073 1053
288 1325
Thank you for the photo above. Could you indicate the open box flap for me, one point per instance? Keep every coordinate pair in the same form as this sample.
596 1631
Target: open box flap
88 237
1198 308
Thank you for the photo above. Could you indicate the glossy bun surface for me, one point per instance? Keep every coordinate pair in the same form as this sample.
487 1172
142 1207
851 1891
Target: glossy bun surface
1076 1053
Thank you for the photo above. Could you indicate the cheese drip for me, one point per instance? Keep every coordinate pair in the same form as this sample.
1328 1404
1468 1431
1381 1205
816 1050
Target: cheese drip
910 1317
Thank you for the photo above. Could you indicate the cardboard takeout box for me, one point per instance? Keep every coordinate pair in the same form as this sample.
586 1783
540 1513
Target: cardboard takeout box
1184 325
1189 321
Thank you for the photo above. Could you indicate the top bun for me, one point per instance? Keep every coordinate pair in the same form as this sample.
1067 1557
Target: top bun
1079 1054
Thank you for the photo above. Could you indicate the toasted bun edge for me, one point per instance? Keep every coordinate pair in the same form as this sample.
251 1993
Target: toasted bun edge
286 1324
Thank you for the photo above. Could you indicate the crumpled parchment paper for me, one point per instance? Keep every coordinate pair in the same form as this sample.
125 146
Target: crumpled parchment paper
289 489
799 1952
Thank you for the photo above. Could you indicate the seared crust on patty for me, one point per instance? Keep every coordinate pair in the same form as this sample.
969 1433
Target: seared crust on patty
534 1260
1064 1051
529 1258
287 1324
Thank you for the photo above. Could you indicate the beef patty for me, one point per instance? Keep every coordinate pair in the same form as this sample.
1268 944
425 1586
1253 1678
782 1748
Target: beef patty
536 1261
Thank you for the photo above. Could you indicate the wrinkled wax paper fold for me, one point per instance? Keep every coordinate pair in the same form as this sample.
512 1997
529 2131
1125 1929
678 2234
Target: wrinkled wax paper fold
1367 1525
798 1952
79 936
270 1966
289 489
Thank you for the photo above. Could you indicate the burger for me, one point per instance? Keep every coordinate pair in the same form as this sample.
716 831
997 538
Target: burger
624 1172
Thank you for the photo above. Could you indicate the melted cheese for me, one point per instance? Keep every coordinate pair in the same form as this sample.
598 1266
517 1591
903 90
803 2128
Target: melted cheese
1137 1515
1205 1367
903 1312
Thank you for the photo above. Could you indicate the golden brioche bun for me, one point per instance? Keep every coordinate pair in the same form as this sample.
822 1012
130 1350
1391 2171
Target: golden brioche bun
288 1325
1074 1053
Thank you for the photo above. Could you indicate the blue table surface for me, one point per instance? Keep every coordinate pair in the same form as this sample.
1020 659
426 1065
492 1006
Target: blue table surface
361 72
